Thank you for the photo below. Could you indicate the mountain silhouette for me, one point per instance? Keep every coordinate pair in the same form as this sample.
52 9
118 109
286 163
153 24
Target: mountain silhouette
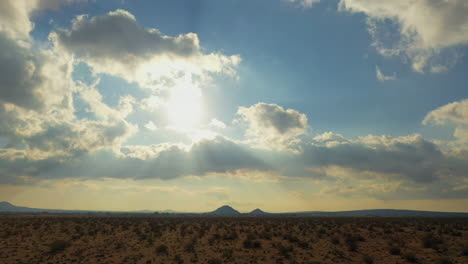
257 212
8 207
225 210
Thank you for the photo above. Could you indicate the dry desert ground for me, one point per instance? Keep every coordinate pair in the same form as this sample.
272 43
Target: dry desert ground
211 240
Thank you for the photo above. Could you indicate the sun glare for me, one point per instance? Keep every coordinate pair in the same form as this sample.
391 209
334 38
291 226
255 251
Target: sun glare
184 106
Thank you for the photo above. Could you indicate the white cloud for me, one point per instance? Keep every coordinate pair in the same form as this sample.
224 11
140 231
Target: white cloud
272 126
151 126
426 28
34 80
37 110
14 15
382 78
217 124
456 112
116 44
305 3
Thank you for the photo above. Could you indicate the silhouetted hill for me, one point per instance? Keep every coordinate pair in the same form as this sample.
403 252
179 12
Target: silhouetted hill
8 207
225 210
257 212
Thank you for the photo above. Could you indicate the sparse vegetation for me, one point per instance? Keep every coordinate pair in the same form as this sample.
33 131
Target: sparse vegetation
431 241
162 250
58 246
395 251
368 260
167 239
410 257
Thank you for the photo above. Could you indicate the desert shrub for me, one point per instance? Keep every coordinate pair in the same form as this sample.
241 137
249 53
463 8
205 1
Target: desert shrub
284 251
178 259
231 236
190 246
465 251
394 250
430 241
227 254
335 241
214 261
351 242
251 243
367 260
410 257
265 235
162 249
445 261
291 238
58 246
302 244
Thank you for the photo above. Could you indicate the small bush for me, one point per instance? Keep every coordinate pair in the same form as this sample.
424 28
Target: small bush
284 251
445 261
352 245
465 251
227 254
394 251
335 241
162 249
58 246
410 257
214 261
251 243
430 241
368 260
178 259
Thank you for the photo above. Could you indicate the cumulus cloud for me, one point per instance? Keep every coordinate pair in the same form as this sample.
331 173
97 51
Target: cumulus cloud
116 44
33 80
19 80
305 3
35 89
456 112
37 107
272 125
381 77
426 28
151 126
162 161
217 124
409 166
14 15
411 158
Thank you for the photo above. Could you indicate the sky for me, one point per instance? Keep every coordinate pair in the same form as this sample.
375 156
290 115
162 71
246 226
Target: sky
283 105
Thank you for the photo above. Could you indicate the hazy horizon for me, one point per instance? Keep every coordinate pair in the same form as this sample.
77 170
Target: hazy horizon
187 105
222 205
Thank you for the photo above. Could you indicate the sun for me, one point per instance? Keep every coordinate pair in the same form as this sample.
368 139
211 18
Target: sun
184 106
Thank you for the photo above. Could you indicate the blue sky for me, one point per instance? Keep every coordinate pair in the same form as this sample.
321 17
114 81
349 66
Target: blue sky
304 100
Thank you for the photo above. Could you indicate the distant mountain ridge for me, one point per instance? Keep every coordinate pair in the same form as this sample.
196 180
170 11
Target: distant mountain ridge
226 210
8 207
